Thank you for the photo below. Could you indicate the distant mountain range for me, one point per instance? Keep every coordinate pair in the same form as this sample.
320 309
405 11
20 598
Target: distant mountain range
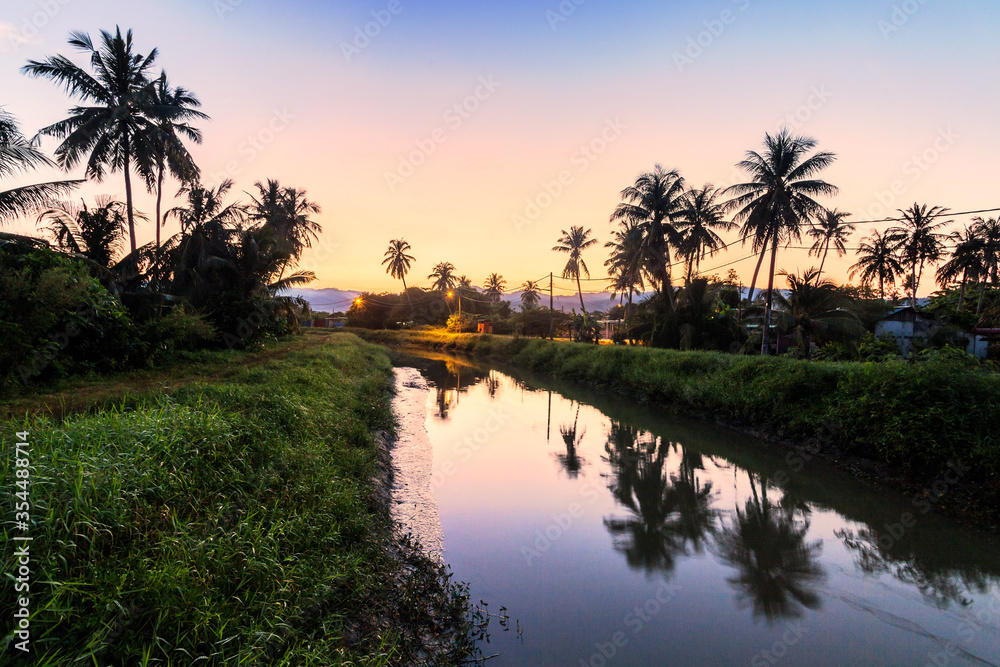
331 300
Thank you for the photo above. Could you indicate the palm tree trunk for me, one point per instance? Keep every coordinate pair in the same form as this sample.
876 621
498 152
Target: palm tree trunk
412 311
765 345
159 201
579 290
920 276
961 292
128 197
753 282
982 293
822 262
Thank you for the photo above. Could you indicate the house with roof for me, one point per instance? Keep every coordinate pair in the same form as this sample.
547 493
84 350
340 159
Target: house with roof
906 325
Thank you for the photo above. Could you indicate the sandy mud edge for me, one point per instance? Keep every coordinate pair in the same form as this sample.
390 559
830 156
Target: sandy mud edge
413 505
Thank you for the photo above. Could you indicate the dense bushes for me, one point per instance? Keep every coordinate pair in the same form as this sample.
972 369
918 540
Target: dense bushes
58 319
55 318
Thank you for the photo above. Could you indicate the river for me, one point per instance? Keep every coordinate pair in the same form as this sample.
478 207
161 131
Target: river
617 534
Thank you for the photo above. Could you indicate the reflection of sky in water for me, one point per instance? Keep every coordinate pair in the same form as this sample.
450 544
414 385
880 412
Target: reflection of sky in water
574 508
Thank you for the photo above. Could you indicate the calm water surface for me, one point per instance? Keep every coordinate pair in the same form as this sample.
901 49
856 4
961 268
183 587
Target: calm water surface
619 535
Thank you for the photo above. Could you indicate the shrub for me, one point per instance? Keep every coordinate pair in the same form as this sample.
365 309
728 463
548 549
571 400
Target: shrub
55 318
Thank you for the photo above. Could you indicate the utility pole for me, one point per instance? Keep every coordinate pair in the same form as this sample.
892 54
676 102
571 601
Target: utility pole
551 316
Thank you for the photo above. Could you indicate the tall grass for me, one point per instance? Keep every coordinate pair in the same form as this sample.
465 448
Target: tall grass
917 418
227 523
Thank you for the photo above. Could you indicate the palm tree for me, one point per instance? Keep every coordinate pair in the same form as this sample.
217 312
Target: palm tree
625 262
443 277
815 307
918 241
778 200
204 256
399 263
495 286
877 262
966 261
171 108
697 222
653 202
988 232
95 234
574 242
286 210
113 134
830 230
19 155
530 295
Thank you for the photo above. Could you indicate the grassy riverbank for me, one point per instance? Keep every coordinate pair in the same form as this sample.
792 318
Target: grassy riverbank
237 517
913 420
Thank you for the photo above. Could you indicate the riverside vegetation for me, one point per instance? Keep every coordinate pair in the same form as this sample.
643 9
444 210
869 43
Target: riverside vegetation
911 422
236 519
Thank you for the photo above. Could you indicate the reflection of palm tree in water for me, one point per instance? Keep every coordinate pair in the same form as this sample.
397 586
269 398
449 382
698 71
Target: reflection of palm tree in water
571 461
939 583
667 513
776 568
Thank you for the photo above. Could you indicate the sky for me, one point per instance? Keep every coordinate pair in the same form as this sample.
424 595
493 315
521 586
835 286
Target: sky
479 131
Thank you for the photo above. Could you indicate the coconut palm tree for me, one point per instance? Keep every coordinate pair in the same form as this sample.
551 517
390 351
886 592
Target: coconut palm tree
495 287
814 307
171 108
653 203
829 230
877 262
625 263
19 155
443 277
966 261
918 241
399 263
778 200
96 234
988 231
530 294
573 243
697 223
286 210
203 250
113 133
